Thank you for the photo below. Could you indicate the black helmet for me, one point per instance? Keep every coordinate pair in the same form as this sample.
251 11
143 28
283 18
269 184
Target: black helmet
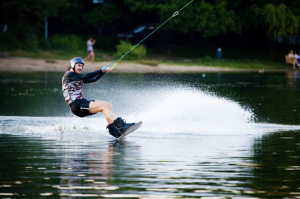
75 61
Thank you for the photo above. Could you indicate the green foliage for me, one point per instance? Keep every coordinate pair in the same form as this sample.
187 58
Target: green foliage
57 42
279 20
200 16
66 42
32 43
50 54
26 17
214 19
102 14
9 42
44 44
136 54
207 58
106 42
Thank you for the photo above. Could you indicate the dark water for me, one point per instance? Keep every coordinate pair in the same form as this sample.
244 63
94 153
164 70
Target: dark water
214 135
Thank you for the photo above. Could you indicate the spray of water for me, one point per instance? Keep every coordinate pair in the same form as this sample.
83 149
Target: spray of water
190 111
167 111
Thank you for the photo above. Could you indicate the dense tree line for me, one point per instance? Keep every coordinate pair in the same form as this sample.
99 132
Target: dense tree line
209 18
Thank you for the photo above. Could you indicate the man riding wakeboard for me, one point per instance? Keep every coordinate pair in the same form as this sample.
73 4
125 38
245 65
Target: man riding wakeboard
72 84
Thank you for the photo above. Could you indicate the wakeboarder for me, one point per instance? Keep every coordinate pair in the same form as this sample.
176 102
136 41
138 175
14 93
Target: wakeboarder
72 86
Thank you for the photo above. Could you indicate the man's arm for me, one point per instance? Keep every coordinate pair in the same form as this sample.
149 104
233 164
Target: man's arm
93 79
72 76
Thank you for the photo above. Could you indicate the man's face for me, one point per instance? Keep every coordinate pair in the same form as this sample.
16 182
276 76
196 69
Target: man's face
78 68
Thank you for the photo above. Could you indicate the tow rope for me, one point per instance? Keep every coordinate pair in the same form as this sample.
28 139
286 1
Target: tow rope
120 58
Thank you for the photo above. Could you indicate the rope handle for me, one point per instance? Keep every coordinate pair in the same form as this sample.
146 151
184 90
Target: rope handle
175 14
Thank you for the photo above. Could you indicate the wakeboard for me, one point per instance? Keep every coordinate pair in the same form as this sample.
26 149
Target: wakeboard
130 130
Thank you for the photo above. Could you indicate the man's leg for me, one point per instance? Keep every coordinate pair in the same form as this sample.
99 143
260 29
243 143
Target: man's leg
93 56
116 125
105 107
89 55
294 63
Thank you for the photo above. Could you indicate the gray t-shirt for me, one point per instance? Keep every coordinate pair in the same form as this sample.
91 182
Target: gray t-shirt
89 46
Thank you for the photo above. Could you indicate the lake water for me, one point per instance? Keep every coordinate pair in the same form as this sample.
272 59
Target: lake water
204 135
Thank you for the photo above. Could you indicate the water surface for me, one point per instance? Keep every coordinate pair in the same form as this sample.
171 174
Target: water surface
212 135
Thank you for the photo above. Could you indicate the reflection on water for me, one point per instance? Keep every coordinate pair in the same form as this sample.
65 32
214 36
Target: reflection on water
278 170
177 168
202 137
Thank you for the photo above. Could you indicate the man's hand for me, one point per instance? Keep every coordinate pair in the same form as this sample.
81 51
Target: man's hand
107 70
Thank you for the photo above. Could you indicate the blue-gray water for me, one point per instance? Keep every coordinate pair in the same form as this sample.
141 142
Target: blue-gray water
212 135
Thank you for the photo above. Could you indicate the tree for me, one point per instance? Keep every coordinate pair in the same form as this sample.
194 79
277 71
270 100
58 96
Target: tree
106 13
27 16
280 21
200 16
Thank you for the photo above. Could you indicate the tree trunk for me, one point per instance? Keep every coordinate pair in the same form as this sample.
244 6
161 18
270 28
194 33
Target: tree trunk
164 42
270 42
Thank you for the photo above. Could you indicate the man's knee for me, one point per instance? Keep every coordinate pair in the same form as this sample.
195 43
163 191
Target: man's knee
103 107
109 105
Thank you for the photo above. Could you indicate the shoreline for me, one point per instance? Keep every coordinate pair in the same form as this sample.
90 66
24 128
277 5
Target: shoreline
19 64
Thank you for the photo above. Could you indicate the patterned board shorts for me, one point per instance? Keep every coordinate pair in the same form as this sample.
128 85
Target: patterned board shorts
81 107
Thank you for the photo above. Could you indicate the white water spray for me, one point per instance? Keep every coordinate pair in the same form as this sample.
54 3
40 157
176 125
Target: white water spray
165 112
190 111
